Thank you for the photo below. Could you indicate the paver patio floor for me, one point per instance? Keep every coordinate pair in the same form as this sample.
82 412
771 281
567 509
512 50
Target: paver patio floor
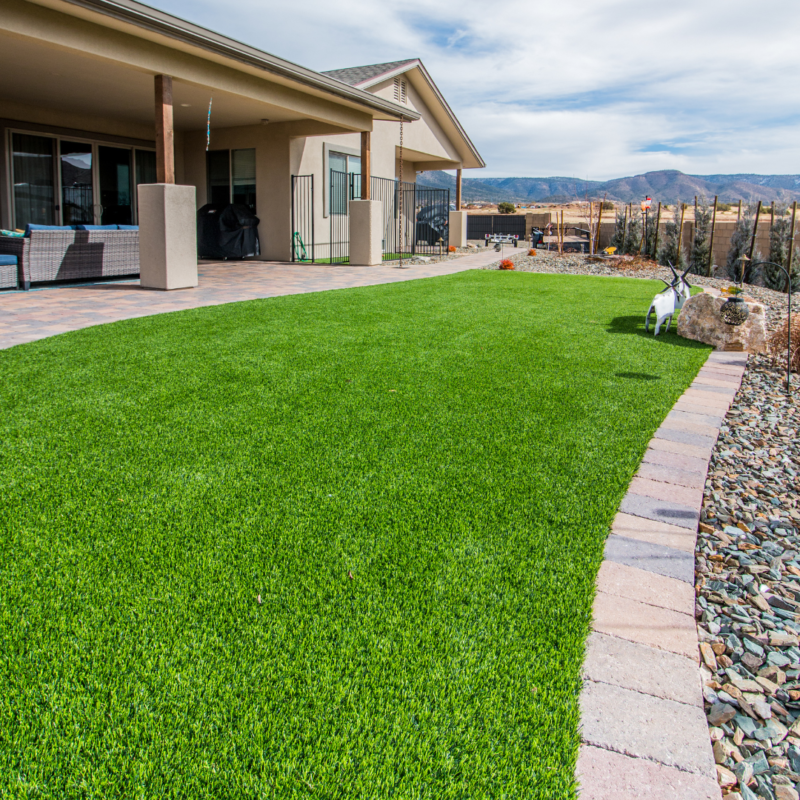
50 310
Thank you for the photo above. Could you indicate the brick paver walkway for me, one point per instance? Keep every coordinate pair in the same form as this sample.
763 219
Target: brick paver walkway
644 730
28 316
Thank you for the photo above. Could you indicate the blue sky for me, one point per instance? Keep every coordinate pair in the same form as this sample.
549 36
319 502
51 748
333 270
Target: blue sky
586 88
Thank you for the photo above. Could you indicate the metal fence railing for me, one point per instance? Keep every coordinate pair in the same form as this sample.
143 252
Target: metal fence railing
303 218
421 228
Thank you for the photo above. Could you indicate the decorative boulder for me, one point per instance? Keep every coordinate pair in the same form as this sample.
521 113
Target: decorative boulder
700 319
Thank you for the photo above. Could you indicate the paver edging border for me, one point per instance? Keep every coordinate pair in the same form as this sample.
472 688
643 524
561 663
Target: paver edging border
643 729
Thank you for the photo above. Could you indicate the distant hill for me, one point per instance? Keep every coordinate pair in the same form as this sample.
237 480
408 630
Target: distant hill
667 186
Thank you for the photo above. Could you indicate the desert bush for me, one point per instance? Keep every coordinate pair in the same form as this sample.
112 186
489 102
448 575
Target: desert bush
740 245
723 206
699 258
779 341
451 249
671 250
506 208
633 240
650 235
506 263
607 205
779 244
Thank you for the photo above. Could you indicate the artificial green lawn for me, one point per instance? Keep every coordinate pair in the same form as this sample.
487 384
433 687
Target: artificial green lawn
416 479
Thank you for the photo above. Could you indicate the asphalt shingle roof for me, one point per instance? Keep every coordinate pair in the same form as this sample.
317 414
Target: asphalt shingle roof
356 75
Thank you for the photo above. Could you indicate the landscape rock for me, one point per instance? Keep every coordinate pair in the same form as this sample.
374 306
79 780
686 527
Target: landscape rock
700 319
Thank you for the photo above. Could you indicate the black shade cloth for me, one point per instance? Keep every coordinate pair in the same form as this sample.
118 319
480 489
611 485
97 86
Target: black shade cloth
227 232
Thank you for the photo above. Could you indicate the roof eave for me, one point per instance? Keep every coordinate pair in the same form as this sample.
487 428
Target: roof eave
156 21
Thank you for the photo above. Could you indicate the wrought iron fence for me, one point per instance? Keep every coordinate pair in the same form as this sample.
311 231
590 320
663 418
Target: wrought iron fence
303 218
423 227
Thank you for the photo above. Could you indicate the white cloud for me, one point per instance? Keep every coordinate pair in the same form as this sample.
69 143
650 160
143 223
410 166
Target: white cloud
592 88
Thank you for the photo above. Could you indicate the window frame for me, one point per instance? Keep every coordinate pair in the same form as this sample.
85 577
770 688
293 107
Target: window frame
57 185
230 151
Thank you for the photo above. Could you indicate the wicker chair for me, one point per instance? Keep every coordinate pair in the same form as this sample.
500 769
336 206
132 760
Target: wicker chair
73 255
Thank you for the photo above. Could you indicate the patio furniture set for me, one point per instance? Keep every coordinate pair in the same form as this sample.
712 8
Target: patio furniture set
47 253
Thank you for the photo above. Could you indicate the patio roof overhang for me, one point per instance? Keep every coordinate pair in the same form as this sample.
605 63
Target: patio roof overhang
97 59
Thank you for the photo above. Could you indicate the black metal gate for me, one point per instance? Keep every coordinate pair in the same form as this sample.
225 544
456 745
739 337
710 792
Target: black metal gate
478 225
303 218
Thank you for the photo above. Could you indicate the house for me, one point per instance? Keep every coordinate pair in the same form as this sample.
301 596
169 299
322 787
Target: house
101 97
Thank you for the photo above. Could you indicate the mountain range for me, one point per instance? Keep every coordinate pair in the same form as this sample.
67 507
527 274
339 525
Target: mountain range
667 186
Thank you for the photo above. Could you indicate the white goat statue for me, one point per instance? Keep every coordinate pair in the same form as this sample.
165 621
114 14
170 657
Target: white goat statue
666 303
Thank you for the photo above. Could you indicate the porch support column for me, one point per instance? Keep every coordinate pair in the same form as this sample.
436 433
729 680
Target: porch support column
458 190
458 219
167 236
366 232
165 135
366 167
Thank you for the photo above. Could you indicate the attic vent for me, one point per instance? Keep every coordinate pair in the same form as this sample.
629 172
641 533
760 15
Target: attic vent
399 90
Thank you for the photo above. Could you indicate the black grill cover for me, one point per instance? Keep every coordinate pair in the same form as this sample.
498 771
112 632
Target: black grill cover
227 232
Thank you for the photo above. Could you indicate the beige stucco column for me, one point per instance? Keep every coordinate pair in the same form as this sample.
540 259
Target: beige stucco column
167 236
274 194
458 228
366 232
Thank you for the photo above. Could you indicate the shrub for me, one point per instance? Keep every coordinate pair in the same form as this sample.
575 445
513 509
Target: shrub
506 208
723 206
779 341
779 244
506 263
740 245
531 252
700 257
627 236
451 249
607 205
671 250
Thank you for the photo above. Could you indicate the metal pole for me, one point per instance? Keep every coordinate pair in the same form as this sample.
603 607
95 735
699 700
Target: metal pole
312 218
711 246
791 247
755 233
658 224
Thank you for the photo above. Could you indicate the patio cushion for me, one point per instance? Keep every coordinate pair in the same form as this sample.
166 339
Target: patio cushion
128 227
13 234
8 261
31 227
96 227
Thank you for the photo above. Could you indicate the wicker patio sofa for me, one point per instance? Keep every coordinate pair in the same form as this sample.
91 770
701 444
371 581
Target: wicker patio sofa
62 255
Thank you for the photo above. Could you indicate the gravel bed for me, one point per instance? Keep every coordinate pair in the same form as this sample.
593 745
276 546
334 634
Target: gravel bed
748 587
627 267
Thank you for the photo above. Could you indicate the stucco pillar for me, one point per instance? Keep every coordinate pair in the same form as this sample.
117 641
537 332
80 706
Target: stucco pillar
458 228
167 236
366 232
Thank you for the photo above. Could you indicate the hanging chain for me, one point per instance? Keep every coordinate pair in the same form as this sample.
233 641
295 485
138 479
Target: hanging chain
402 219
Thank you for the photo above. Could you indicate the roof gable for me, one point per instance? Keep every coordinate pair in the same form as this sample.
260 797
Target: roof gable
355 76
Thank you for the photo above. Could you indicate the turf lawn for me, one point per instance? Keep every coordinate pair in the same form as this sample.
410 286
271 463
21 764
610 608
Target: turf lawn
336 545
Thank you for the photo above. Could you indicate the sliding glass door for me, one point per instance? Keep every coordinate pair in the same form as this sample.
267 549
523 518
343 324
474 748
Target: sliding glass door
114 176
33 179
77 183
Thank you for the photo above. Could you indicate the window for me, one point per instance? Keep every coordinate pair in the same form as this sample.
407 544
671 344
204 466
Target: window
341 167
34 181
65 181
232 177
